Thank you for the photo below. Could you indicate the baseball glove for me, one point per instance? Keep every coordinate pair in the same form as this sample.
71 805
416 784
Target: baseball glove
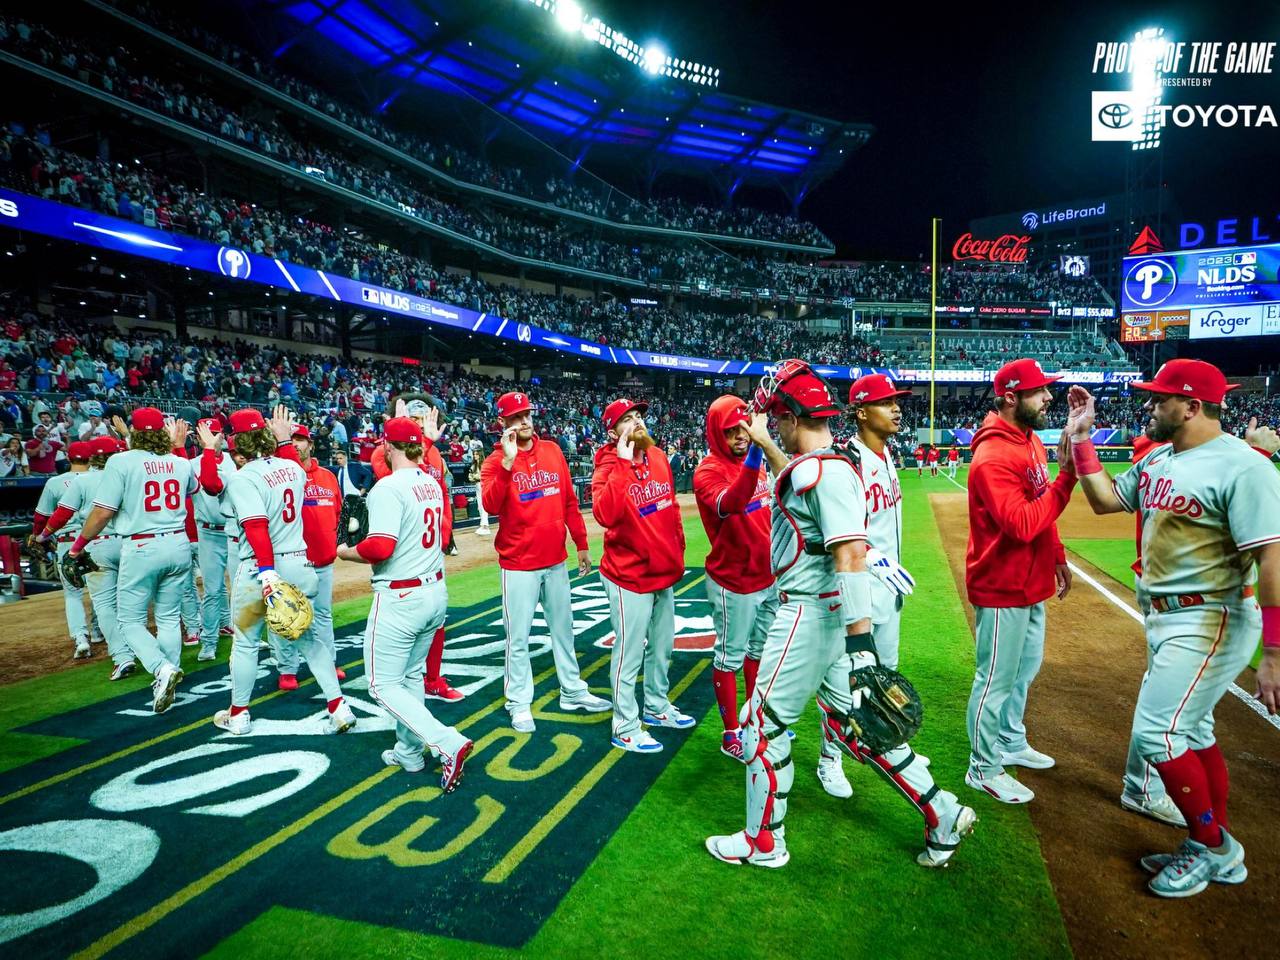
75 568
353 520
886 712
288 609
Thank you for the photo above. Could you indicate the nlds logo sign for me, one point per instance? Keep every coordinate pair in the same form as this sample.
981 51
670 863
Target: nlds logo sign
1227 268
385 298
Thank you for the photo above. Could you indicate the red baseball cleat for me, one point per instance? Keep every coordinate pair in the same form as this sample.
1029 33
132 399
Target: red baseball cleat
288 681
451 767
439 689
342 674
191 641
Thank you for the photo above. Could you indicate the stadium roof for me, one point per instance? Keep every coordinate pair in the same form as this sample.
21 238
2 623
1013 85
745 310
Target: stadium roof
575 95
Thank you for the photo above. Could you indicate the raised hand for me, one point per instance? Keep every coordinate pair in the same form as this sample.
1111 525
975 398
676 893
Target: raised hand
1261 437
509 447
208 439
432 429
758 429
626 446
281 423
1080 412
178 430
120 427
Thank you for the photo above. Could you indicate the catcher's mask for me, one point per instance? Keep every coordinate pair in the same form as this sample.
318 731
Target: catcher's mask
795 388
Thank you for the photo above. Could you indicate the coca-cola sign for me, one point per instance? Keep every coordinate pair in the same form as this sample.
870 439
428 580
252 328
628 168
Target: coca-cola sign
1007 249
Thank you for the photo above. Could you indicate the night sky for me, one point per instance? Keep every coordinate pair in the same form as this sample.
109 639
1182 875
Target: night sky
977 112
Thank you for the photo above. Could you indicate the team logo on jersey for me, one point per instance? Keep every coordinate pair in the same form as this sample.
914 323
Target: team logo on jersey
1158 494
650 496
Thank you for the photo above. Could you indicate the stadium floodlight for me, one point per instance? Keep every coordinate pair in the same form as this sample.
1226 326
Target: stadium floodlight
1147 56
655 58
569 15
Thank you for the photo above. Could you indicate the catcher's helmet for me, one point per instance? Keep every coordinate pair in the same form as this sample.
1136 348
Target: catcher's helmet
795 388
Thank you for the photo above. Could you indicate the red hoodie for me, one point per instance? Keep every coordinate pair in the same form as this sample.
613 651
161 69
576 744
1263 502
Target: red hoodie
534 502
321 505
733 499
636 505
1013 540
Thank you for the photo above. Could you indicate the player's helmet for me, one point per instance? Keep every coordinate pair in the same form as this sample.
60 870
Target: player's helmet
795 388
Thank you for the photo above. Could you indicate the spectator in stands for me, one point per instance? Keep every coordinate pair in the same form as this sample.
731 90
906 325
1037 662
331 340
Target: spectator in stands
13 460
42 453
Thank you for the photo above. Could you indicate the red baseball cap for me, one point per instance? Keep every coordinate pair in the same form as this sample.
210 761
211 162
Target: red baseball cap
214 425
1020 375
509 404
80 450
301 430
402 430
244 420
1189 378
619 409
873 388
147 418
107 445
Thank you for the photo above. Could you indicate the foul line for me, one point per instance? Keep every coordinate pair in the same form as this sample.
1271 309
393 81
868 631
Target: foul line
542 829
149 918
1235 689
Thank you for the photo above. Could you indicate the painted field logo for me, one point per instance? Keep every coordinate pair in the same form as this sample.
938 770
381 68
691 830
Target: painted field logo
160 835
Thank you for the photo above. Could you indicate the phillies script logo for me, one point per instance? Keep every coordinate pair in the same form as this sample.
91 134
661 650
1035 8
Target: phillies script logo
1156 497
883 499
1038 474
535 480
1006 249
648 492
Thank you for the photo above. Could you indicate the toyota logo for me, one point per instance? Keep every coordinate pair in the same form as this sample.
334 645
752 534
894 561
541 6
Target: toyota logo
1115 115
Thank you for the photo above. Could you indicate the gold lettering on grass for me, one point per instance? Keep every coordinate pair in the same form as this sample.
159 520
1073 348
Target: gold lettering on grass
400 849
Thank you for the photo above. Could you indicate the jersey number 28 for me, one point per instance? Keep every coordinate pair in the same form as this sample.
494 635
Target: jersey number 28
151 492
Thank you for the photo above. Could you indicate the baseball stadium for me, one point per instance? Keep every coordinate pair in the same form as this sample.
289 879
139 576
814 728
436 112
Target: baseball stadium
561 479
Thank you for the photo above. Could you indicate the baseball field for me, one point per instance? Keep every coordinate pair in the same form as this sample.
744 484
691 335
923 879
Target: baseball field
130 835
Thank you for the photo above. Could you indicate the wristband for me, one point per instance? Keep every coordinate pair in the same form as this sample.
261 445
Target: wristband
755 457
855 595
1271 628
1266 453
81 543
1085 457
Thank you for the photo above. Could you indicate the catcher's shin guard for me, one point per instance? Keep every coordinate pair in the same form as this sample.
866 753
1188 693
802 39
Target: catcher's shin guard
766 750
836 733
907 774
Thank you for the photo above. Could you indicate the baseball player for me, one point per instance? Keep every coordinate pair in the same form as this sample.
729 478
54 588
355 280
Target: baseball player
822 631
145 490
1015 562
419 408
527 485
953 461
217 562
266 496
932 459
1210 556
55 489
191 614
404 545
633 498
104 550
731 487
918 453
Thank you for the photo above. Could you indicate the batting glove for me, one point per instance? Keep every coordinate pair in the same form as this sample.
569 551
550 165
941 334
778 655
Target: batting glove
890 573
268 578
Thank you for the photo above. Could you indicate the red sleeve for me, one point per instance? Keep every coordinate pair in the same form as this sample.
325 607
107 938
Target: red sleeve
735 497
378 462
376 548
1059 551
38 523
210 482
999 486
495 485
572 512
608 492
191 521
255 531
285 450
59 518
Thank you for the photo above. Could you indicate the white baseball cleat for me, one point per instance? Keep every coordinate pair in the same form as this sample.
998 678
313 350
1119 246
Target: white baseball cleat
1155 862
638 742
83 650
522 720
1028 757
671 718
123 670
831 776
341 720
1160 808
941 842
483 532
166 682
1194 866
738 849
389 758
588 702
1003 787
208 651
238 725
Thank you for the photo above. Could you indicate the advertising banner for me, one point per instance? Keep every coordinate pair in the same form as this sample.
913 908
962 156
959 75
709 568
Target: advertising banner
1201 278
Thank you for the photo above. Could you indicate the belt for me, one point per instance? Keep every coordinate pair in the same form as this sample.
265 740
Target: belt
211 526
1182 601
788 597
231 539
68 538
415 582
150 536
293 553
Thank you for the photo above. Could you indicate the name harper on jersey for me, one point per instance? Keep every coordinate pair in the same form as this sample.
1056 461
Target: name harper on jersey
1156 496
158 466
535 480
275 478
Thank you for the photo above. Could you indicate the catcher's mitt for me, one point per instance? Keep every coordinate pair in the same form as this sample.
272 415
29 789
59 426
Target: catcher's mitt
353 520
288 609
75 568
886 710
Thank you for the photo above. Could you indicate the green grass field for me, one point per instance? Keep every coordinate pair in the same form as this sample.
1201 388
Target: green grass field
852 887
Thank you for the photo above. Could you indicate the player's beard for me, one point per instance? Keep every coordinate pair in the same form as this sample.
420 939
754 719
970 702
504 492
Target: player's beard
1161 432
642 440
1029 416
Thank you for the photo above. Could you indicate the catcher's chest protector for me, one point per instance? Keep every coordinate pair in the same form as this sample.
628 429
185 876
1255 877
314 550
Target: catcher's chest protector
801 475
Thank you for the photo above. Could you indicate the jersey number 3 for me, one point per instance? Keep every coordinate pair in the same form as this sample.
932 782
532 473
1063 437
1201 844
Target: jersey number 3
432 520
151 492
290 511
